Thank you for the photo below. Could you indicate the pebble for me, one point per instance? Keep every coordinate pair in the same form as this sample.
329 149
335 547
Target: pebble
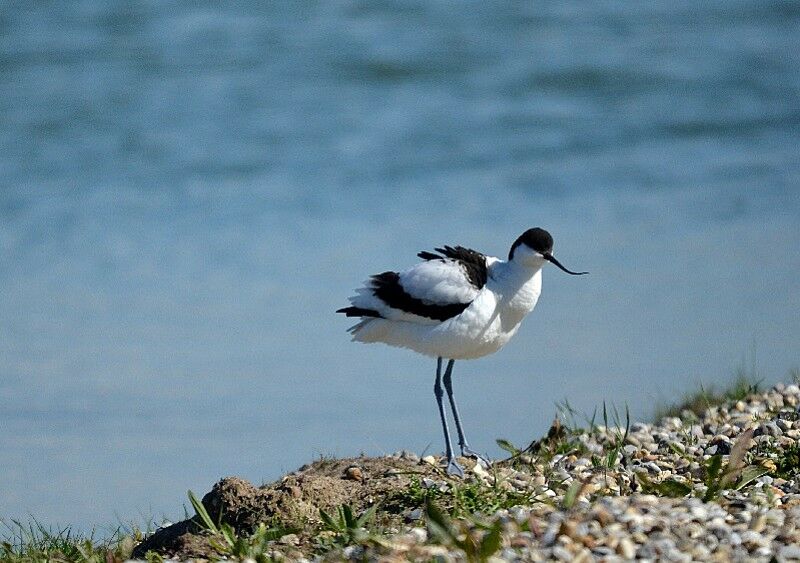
419 534
626 548
354 473
789 552
414 515
480 471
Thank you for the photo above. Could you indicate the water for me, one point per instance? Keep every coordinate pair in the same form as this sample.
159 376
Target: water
188 191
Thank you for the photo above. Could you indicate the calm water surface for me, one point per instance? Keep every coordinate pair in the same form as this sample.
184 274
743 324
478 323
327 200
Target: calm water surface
189 190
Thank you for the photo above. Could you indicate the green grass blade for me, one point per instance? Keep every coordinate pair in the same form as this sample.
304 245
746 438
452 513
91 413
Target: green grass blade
750 474
508 446
672 488
490 542
439 525
713 466
328 521
366 516
202 513
572 494
347 516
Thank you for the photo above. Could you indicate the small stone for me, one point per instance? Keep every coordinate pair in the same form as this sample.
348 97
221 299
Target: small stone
775 517
789 552
603 516
352 551
752 540
354 473
768 429
699 513
520 541
769 465
562 553
763 551
480 471
758 523
414 515
289 539
568 529
776 492
700 552
626 549
429 459
652 467
420 535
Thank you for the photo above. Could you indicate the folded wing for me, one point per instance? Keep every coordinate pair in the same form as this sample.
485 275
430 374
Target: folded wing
430 292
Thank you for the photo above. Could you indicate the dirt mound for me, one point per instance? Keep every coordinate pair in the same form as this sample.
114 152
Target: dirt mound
293 502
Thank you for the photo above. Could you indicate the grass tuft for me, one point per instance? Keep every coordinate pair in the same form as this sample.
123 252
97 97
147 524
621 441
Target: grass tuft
35 542
695 403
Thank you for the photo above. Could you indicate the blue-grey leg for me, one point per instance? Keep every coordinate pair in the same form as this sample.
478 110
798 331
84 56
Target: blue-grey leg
453 468
466 451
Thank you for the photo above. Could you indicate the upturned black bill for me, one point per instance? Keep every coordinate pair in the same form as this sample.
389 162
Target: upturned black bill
552 259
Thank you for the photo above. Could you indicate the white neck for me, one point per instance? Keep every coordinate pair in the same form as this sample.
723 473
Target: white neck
517 285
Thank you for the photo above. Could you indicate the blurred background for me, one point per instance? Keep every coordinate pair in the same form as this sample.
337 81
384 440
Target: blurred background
188 190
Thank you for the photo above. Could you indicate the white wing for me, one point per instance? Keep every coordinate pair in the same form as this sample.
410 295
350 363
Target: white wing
409 297
438 282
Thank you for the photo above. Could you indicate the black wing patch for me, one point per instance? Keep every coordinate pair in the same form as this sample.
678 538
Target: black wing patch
359 312
472 261
387 288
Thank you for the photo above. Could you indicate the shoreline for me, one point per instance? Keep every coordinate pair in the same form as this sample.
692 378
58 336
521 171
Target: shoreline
723 484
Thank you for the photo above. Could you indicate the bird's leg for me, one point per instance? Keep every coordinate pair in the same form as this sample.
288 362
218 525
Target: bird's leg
453 468
466 451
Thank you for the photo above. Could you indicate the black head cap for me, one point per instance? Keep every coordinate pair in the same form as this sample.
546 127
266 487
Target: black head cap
536 239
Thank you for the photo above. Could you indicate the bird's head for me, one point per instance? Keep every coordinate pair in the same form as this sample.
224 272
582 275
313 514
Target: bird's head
533 248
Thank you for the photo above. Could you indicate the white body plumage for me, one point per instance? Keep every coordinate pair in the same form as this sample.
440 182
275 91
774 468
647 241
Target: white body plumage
492 316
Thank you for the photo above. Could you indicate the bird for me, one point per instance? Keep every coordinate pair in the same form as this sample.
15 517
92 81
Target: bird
456 304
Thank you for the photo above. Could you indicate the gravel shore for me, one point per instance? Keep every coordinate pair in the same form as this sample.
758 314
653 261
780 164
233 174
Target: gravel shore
721 486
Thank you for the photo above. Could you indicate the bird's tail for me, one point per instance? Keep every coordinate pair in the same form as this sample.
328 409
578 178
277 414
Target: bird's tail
367 330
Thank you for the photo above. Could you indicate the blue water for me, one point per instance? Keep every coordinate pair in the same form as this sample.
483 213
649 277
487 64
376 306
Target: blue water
189 190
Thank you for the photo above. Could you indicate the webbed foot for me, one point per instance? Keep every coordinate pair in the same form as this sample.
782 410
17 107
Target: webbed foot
466 451
453 468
